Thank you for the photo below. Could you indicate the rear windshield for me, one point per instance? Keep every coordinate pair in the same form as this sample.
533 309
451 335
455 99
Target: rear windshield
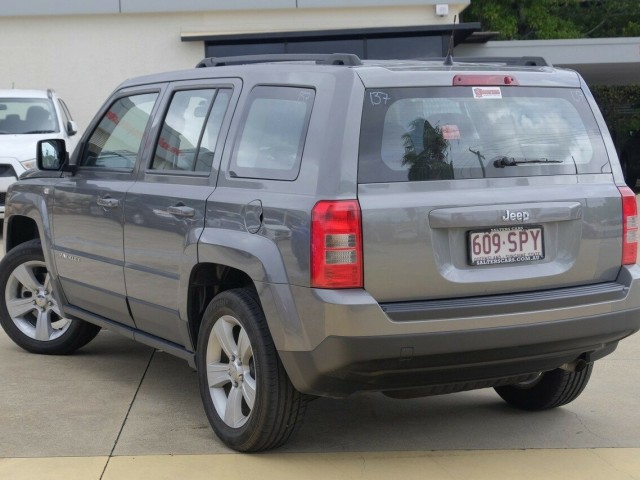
444 133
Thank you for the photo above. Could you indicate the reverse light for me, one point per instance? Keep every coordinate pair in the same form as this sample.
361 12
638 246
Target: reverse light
336 245
629 226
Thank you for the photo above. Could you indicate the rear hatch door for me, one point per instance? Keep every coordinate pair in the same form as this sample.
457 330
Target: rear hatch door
479 190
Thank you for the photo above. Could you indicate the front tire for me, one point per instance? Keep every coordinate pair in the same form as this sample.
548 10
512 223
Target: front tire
247 395
550 390
29 312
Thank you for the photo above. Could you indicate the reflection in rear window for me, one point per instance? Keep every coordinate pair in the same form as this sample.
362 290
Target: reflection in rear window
444 133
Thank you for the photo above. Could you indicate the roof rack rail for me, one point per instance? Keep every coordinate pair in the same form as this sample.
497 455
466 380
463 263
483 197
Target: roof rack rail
511 61
346 59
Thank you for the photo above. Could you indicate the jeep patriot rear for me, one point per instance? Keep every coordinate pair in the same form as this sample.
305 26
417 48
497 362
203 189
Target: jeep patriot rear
318 226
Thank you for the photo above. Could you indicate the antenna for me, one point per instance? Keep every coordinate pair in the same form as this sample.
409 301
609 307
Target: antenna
449 59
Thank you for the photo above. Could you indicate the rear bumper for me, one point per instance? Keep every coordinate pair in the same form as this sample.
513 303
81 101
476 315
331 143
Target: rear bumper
355 345
340 366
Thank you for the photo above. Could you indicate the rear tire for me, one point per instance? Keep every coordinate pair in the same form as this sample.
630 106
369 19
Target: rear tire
29 312
247 395
550 390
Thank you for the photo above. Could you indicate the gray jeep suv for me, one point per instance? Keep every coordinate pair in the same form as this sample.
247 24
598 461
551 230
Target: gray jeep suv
318 226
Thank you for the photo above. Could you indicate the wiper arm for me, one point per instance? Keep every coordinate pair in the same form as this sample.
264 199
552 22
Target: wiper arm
481 159
501 161
38 131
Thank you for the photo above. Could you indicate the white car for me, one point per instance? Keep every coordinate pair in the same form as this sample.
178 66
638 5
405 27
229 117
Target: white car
27 116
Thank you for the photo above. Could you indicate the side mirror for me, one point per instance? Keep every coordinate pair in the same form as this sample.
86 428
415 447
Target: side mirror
51 155
72 128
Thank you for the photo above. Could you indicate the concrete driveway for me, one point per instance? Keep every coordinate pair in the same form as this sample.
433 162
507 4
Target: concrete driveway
118 410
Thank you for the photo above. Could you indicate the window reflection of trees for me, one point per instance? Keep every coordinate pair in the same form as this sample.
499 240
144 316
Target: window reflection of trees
429 160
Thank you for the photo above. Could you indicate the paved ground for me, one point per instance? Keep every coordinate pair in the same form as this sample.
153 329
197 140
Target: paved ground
120 410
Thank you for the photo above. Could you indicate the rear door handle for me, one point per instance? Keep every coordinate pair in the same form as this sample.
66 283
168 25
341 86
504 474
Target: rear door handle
108 202
181 211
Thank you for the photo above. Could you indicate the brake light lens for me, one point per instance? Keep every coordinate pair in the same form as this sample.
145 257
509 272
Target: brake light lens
629 226
336 245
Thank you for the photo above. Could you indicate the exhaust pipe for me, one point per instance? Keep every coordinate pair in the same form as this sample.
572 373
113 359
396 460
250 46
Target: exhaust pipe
576 366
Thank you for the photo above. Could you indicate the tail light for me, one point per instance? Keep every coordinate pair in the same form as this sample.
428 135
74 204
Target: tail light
629 226
336 245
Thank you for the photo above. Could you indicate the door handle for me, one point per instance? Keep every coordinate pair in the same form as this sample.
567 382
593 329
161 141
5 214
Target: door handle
108 202
181 211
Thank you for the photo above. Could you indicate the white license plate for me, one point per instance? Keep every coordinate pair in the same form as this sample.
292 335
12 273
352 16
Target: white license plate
506 245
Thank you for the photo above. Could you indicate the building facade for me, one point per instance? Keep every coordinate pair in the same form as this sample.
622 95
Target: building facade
84 48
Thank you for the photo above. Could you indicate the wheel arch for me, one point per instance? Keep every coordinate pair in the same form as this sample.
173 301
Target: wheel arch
227 260
20 229
208 280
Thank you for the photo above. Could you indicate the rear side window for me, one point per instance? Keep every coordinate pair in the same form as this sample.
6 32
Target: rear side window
445 133
190 131
274 128
115 143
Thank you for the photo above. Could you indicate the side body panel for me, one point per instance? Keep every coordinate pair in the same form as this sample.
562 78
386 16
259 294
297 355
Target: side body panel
164 218
87 242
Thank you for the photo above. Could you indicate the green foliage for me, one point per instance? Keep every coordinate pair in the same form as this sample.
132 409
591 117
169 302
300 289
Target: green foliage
553 19
430 163
620 106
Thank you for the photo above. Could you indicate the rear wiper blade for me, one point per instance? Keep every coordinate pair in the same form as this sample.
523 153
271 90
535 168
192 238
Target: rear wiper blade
501 161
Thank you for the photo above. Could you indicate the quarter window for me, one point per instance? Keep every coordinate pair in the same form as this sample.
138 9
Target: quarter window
116 142
273 133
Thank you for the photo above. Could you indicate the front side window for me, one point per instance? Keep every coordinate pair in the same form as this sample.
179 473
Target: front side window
23 116
116 142
445 133
273 133
190 131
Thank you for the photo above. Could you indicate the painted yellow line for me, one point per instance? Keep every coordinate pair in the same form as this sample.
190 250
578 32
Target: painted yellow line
600 464
57 468
578 464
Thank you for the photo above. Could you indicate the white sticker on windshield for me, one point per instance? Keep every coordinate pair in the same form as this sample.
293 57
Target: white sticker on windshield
487 92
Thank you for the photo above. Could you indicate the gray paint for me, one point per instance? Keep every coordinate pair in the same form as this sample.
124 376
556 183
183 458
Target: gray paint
601 61
11 8
363 3
148 6
584 245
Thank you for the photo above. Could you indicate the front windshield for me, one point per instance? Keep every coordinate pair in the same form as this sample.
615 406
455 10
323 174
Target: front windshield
20 116
444 133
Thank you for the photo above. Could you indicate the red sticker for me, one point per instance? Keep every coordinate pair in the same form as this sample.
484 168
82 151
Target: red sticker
450 132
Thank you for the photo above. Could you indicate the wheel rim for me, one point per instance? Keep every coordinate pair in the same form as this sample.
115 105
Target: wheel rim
231 374
31 304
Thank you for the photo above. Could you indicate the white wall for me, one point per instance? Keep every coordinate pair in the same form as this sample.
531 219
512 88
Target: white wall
84 57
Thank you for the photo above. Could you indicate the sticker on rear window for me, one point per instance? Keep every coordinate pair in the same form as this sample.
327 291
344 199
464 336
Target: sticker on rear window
451 132
487 92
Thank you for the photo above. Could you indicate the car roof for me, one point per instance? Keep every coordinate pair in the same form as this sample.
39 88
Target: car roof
376 73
